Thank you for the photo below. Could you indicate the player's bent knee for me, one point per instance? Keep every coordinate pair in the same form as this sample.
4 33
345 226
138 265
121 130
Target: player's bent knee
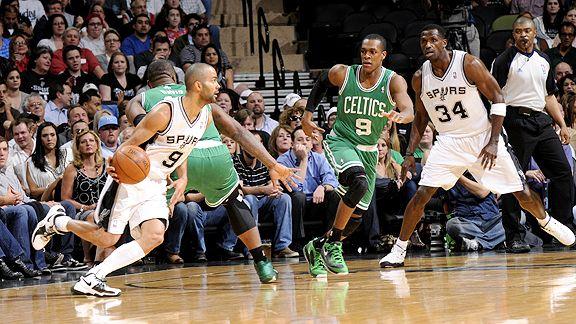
154 238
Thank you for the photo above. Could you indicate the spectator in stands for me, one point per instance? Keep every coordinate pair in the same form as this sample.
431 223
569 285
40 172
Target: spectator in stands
57 25
423 149
90 64
292 116
211 55
18 52
91 101
14 22
76 128
139 41
192 53
561 70
35 104
160 51
22 131
111 45
4 43
43 27
75 113
315 197
60 96
118 83
190 21
11 253
272 202
230 144
37 76
548 25
108 129
263 122
174 27
32 9
7 114
227 99
532 111
84 179
94 37
245 118
14 97
47 162
536 8
567 85
476 223
138 7
564 52
73 75
280 141
126 134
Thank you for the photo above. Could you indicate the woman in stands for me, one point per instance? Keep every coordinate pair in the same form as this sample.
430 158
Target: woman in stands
228 100
548 25
111 46
292 117
280 141
93 39
15 97
119 80
211 55
58 25
84 179
19 52
47 163
174 27
37 77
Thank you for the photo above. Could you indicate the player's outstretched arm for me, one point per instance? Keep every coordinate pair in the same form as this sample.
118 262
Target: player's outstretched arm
135 108
333 78
399 93
231 128
421 120
478 74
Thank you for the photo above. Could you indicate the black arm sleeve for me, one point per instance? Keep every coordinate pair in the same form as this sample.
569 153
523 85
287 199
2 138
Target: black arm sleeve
318 91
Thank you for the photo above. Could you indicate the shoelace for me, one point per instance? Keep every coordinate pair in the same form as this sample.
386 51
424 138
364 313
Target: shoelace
335 251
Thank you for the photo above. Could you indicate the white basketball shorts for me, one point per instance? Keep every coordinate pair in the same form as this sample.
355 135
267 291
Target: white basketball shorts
450 157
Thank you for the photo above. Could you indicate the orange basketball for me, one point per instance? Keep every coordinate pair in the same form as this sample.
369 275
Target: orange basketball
131 163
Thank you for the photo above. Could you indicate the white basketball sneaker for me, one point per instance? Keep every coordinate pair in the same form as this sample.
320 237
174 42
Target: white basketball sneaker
560 231
394 259
90 285
45 228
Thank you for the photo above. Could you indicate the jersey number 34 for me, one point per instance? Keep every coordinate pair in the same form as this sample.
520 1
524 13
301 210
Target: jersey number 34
445 116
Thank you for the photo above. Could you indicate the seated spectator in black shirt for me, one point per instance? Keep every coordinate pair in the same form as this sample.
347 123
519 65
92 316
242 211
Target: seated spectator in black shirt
564 52
476 223
73 75
119 84
37 77
91 101
7 114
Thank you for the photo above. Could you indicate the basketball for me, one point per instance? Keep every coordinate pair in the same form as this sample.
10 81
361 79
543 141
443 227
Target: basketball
131 163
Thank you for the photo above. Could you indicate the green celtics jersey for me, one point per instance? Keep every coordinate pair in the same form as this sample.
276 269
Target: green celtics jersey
360 115
152 97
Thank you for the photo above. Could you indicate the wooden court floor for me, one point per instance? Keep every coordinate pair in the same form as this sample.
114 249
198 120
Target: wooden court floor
473 288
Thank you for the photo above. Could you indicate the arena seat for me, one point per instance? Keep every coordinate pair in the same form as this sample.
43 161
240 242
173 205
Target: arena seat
401 18
385 29
503 23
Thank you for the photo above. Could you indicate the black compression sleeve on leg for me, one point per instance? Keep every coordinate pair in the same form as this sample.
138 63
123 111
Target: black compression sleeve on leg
351 226
318 92
138 119
239 213
355 179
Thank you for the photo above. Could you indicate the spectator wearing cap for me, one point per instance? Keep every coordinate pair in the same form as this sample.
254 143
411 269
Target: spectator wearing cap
139 41
290 100
94 37
56 109
244 96
73 75
330 119
262 122
108 130
89 61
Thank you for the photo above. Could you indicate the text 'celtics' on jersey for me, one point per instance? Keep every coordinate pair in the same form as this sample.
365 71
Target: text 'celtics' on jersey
361 112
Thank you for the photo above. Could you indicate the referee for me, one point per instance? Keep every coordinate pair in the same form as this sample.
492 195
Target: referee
525 76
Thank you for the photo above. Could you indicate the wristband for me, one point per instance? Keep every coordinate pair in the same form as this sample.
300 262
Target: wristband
409 154
498 109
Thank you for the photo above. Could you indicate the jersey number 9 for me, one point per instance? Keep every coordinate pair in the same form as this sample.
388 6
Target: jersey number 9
363 126
172 159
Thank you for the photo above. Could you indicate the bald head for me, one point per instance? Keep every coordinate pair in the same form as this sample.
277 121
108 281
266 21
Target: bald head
198 72
561 70
160 72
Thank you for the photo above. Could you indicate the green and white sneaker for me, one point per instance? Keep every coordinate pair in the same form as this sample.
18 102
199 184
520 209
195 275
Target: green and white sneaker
331 254
265 271
312 255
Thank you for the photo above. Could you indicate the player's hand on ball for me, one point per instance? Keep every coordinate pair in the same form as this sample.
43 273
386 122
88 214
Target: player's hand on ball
308 126
488 155
409 165
111 170
285 175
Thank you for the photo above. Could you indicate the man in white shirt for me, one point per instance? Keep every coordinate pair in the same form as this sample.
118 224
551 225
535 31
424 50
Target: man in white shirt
23 148
32 9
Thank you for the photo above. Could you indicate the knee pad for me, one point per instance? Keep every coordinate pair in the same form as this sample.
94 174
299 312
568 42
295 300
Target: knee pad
351 226
239 214
355 179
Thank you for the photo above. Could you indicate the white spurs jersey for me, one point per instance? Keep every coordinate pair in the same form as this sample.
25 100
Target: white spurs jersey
453 104
172 146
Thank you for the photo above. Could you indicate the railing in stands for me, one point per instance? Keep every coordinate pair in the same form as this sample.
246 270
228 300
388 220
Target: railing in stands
279 75
263 45
296 84
248 20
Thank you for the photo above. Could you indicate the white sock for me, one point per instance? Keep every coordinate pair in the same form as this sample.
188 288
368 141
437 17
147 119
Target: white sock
544 221
124 255
402 244
61 223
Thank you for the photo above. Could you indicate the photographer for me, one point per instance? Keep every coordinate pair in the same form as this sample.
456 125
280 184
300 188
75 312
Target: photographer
456 16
